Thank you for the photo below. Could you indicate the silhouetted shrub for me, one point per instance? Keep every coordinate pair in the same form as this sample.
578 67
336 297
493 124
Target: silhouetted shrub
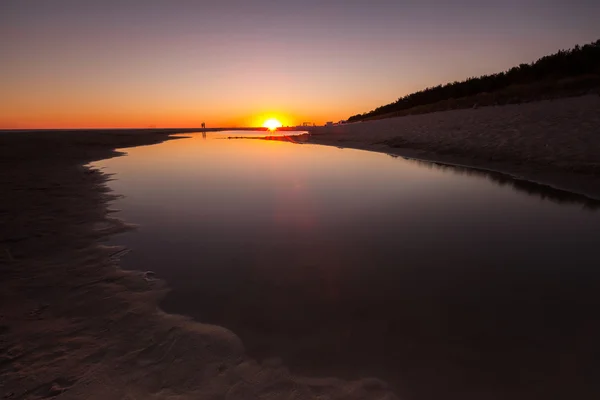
527 82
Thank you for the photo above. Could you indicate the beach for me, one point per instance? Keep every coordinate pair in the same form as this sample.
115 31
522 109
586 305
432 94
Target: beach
299 200
552 142
75 326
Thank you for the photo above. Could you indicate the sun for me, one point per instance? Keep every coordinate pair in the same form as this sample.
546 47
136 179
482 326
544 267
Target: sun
272 124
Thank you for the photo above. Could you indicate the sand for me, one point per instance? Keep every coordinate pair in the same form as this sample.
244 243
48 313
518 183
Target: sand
75 326
554 142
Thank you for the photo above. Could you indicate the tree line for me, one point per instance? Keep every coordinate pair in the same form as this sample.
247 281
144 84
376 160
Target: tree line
576 62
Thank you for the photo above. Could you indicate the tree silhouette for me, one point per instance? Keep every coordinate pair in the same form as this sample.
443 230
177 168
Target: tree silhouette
550 73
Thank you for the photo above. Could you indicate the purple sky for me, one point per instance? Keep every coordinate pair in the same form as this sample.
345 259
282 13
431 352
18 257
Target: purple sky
176 62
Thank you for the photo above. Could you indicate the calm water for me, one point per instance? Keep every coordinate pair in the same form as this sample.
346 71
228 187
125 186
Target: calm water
349 263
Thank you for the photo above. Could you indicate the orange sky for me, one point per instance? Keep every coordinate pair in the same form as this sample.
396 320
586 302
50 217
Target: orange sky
71 64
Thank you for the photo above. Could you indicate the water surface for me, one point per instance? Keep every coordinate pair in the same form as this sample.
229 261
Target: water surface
349 263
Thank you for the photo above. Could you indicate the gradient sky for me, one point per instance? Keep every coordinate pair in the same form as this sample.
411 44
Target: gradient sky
137 63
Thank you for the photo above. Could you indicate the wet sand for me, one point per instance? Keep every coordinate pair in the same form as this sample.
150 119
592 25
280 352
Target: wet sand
554 142
75 326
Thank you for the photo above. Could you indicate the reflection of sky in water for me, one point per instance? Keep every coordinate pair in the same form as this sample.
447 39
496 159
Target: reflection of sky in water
353 263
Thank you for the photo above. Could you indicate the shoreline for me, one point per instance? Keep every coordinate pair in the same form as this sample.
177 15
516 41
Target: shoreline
483 139
583 187
74 324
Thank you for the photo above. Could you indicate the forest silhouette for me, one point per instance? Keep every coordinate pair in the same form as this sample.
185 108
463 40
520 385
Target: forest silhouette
566 73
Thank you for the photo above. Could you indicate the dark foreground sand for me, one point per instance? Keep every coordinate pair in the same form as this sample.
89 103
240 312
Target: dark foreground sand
75 326
554 142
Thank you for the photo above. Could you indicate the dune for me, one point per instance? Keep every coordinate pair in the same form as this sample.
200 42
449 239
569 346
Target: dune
553 142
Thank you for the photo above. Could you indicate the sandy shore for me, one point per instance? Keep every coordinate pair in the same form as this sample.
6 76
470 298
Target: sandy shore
75 326
554 142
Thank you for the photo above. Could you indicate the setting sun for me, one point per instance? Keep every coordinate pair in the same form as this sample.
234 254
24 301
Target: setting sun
272 124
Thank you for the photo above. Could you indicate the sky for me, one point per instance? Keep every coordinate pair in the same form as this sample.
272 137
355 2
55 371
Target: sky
178 63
